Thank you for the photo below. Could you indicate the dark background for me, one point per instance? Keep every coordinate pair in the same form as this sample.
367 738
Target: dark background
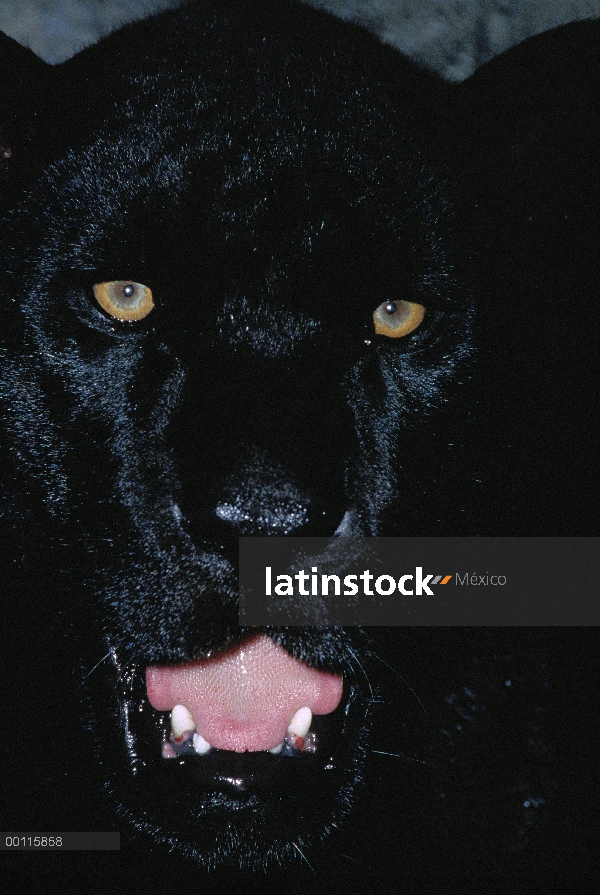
451 38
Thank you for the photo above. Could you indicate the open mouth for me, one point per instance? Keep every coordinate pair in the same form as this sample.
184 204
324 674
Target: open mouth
253 698
244 723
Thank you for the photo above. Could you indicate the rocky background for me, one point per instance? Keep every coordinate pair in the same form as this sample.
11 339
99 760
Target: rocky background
453 38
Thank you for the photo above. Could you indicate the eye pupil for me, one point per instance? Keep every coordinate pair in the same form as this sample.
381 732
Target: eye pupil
391 307
128 290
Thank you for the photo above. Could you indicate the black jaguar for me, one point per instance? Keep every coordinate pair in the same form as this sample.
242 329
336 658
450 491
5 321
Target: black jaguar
242 294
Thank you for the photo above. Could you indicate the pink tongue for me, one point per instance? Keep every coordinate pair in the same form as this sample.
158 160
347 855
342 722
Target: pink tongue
244 699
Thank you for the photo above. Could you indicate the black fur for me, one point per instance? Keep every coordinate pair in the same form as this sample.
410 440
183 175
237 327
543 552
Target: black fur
273 176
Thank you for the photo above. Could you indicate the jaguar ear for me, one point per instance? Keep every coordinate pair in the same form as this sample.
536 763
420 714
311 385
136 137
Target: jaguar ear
27 131
532 116
528 102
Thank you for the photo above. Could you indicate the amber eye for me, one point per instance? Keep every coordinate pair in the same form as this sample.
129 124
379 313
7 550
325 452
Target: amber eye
397 318
124 299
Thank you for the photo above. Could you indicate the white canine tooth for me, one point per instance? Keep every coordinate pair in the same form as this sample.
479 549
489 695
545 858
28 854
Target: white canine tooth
200 744
181 720
276 749
300 723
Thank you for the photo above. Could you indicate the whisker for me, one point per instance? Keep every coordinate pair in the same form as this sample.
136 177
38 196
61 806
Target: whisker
360 665
403 679
303 856
103 659
399 755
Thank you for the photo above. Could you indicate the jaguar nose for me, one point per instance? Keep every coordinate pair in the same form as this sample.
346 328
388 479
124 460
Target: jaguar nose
267 499
253 517
262 497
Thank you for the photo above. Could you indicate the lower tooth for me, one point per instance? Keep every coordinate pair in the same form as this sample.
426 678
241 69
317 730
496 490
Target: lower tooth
168 751
200 744
276 749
